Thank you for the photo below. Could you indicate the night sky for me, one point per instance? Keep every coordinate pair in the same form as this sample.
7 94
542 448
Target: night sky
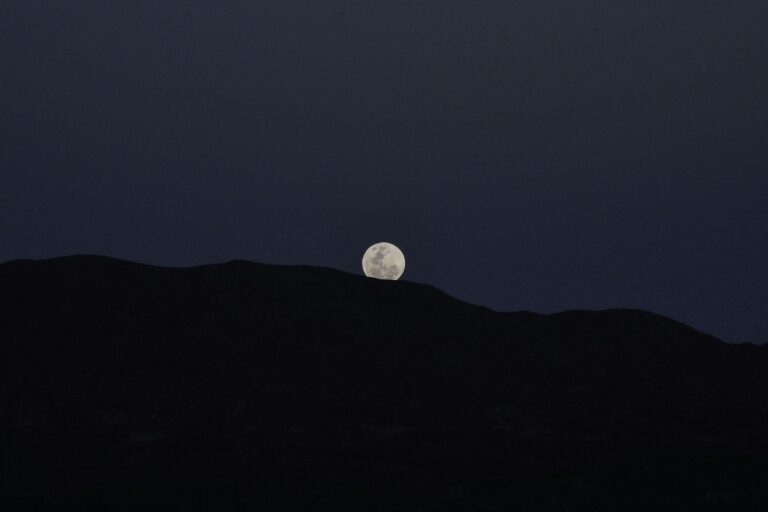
534 154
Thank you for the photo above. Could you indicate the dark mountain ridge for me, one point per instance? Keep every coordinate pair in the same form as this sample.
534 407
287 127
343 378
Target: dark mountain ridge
270 385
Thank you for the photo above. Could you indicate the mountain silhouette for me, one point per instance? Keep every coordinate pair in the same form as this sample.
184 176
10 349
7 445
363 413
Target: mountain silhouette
244 386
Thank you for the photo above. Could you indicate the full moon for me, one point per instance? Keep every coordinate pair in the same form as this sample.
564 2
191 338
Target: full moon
384 261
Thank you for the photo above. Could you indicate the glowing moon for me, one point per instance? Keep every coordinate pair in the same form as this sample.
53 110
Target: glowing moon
384 261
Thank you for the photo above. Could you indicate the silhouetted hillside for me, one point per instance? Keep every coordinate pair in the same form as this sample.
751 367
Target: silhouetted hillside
244 386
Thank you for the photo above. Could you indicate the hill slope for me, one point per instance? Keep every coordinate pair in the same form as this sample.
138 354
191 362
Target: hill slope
282 386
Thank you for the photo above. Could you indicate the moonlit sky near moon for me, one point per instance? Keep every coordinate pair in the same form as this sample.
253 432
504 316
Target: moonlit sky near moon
540 155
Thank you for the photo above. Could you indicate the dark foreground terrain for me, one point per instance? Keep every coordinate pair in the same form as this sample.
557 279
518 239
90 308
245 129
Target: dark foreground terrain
252 387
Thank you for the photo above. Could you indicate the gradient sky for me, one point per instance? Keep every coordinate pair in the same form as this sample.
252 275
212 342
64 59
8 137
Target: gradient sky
534 154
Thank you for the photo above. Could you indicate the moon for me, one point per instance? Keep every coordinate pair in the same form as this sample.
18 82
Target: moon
384 261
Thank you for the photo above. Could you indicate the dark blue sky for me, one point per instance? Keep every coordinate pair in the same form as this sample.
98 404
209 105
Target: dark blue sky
532 154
